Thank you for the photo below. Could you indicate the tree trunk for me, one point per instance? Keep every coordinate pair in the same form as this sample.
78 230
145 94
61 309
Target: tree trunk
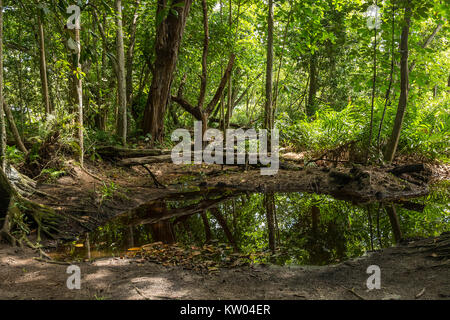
312 86
448 84
395 224
2 116
203 113
269 202
43 67
12 126
404 82
163 231
230 79
269 70
168 39
79 90
130 55
121 82
374 83
208 235
223 223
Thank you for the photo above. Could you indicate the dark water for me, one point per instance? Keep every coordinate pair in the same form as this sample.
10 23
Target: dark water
289 228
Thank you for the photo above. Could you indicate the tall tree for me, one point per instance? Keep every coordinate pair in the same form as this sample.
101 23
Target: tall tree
269 70
2 116
230 79
310 108
79 93
404 84
13 127
201 112
121 81
269 203
43 63
171 22
130 54
374 82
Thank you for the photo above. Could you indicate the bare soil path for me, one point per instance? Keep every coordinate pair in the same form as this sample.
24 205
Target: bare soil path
415 270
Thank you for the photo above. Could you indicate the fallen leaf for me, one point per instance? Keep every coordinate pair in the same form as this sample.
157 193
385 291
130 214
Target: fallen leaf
134 249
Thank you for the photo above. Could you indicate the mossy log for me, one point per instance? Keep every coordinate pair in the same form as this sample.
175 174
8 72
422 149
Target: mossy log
110 152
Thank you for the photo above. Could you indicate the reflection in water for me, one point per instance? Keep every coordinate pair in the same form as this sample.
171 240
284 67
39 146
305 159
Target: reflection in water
296 228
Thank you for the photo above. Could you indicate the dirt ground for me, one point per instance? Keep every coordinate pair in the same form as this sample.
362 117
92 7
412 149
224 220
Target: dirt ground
416 270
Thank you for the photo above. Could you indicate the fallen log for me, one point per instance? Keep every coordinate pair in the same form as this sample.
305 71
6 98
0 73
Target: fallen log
141 161
407 169
129 162
111 152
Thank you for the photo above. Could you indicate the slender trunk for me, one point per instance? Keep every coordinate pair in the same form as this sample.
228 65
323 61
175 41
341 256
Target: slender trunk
43 67
230 80
2 116
208 235
130 237
79 90
204 76
369 144
369 216
276 91
223 223
13 127
391 75
121 82
395 224
168 39
163 231
312 86
130 55
222 124
427 42
404 82
102 115
137 100
269 202
448 84
269 70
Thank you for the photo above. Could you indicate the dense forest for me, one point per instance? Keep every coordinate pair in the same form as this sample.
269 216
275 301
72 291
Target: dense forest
353 95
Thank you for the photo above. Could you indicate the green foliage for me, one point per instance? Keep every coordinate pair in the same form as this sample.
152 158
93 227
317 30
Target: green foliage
108 191
52 174
334 32
14 155
328 130
426 129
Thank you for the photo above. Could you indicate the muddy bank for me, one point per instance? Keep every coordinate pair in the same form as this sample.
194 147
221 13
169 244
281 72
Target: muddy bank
413 270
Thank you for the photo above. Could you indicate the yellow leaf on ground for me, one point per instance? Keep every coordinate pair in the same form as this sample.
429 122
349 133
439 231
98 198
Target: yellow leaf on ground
134 249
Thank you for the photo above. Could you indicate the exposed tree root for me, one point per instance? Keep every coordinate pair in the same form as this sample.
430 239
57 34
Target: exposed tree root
15 209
